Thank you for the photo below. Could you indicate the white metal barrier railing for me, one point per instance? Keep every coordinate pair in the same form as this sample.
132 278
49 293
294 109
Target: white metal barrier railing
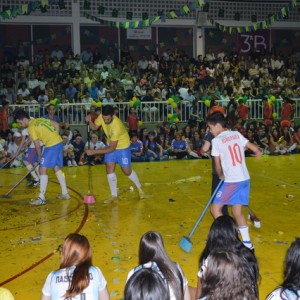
151 112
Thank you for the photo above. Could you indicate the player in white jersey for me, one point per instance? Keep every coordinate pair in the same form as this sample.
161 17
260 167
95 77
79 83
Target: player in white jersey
76 278
228 151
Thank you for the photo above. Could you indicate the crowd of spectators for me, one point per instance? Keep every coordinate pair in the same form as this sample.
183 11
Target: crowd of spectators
232 78
227 270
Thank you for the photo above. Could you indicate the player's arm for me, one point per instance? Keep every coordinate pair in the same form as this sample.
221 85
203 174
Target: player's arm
256 151
92 125
38 149
205 149
218 167
112 147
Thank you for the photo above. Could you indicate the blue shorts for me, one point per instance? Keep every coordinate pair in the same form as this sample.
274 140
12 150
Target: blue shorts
119 156
231 193
52 156
31 156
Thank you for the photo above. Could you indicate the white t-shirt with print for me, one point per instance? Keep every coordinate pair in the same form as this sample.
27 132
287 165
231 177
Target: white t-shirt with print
58 282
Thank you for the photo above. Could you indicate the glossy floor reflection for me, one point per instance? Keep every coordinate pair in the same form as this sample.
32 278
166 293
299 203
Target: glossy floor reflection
176 192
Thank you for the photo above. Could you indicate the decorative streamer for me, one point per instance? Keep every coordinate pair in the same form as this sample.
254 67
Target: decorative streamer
258 25
26 9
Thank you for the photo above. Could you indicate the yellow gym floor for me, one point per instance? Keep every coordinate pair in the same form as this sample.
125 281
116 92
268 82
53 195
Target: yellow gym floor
176 192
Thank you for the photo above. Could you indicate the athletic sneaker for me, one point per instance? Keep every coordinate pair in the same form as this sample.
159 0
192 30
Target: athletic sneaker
69 163
74 163
141 193
63 197
111 199
38 201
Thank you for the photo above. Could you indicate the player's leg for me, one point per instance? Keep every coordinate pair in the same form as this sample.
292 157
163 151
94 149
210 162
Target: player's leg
112 178
44 164
214 183
30 160
237 211
57 160
41 199
62 181
216 210
124 160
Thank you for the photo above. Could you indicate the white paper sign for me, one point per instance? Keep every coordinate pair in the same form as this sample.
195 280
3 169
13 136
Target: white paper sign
139 34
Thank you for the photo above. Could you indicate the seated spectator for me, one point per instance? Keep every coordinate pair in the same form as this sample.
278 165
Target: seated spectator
4 159
69 154
288 137
57 53
225 273
223 235
82 277
104 73
136 148
108 62
164 143
153 150
261 139
78 145
108 99
277 143
151 249
13 148
296 136
196 143
86 55
93 144
23 93
147 283
179 147
290 288
94 92
42 99
87 101
71 92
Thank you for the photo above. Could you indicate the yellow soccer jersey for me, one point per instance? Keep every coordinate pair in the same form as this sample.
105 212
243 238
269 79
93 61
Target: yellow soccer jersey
115 131
42 129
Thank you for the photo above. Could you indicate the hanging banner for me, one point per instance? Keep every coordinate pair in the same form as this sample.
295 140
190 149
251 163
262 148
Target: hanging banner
139 34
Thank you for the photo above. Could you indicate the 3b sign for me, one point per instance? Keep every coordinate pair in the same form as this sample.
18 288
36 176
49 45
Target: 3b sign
250 42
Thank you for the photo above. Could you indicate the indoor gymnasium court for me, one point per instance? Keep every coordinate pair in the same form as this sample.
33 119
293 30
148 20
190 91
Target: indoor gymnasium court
175 194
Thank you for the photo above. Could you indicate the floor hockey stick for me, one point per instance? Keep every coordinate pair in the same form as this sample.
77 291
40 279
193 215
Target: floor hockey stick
16 185
185 242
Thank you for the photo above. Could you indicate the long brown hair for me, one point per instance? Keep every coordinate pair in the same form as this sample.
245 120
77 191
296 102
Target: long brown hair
226 277
152 249
76 252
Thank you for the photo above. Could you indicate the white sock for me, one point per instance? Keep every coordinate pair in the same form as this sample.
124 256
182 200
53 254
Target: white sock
193 154
43 185
112 181
33 173
62 181
134 178
244 231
